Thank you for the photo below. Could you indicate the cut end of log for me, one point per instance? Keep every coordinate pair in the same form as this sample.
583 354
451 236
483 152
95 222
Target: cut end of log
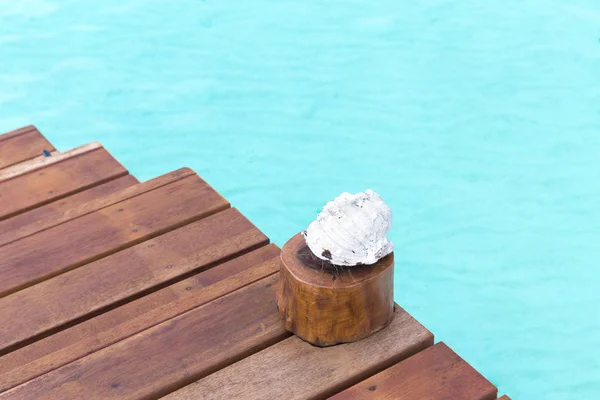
326 304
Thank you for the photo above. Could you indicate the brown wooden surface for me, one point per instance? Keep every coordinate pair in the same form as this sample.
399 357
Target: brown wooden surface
72 296
17 132
52 214
42 162
11 169
56 181
325 304
436 373
67 246
22 144
171 354
295 370
68 211
114 289
119 323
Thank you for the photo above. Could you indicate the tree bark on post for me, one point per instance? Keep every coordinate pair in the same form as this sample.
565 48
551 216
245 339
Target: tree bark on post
326 304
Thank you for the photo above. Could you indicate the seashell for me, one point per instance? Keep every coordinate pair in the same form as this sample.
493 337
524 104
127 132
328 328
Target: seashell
351 230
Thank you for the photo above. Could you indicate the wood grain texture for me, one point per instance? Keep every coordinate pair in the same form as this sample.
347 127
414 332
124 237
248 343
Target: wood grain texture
93 287
33 160
51 214
170 355
41 162
68 210
293 369
79 241
119 323
22 144
326 304
436 373
57 181
17 132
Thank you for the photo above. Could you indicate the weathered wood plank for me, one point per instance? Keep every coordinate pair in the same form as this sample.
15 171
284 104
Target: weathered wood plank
42 156
294 369
121 276
436 373
117 324
79 241
56 181
17 132
167 356
68 211
41 162
22 144
44 217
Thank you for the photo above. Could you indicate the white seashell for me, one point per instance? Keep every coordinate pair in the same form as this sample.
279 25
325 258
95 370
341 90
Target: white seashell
351 230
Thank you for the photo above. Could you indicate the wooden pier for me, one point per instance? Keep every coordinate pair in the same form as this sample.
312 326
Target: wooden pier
113 288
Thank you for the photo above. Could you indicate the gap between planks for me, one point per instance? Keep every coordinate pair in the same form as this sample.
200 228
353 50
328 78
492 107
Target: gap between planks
296 370
41 218
120 323
18 132
57 181
22 145
436 373
70 213
94 288
169 355
31 160
207 339
39 257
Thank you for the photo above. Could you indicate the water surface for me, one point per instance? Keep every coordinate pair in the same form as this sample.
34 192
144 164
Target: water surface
477 121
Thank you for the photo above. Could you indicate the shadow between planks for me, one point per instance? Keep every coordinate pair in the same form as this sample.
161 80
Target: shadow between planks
21 145
82 240
294 369
81 204
142 290
58 180
93 288
436 373
119 323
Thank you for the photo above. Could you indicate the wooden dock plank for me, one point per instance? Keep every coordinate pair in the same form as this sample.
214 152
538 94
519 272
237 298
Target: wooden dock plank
79 241
294 369
119 323
69 211
89 289
56 181
120 289
436 373
45 217
117 289
41 162
22 144
40 157
17 132
168 356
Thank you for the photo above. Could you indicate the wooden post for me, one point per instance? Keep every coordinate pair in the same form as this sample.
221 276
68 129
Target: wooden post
326 304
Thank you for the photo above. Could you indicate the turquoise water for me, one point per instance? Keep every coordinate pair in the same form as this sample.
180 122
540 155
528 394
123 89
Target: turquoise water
478 122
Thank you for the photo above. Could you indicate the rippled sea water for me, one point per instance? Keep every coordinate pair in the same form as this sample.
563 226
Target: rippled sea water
477 121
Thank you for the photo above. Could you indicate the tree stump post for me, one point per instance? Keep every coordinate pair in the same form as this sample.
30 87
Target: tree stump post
325 304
